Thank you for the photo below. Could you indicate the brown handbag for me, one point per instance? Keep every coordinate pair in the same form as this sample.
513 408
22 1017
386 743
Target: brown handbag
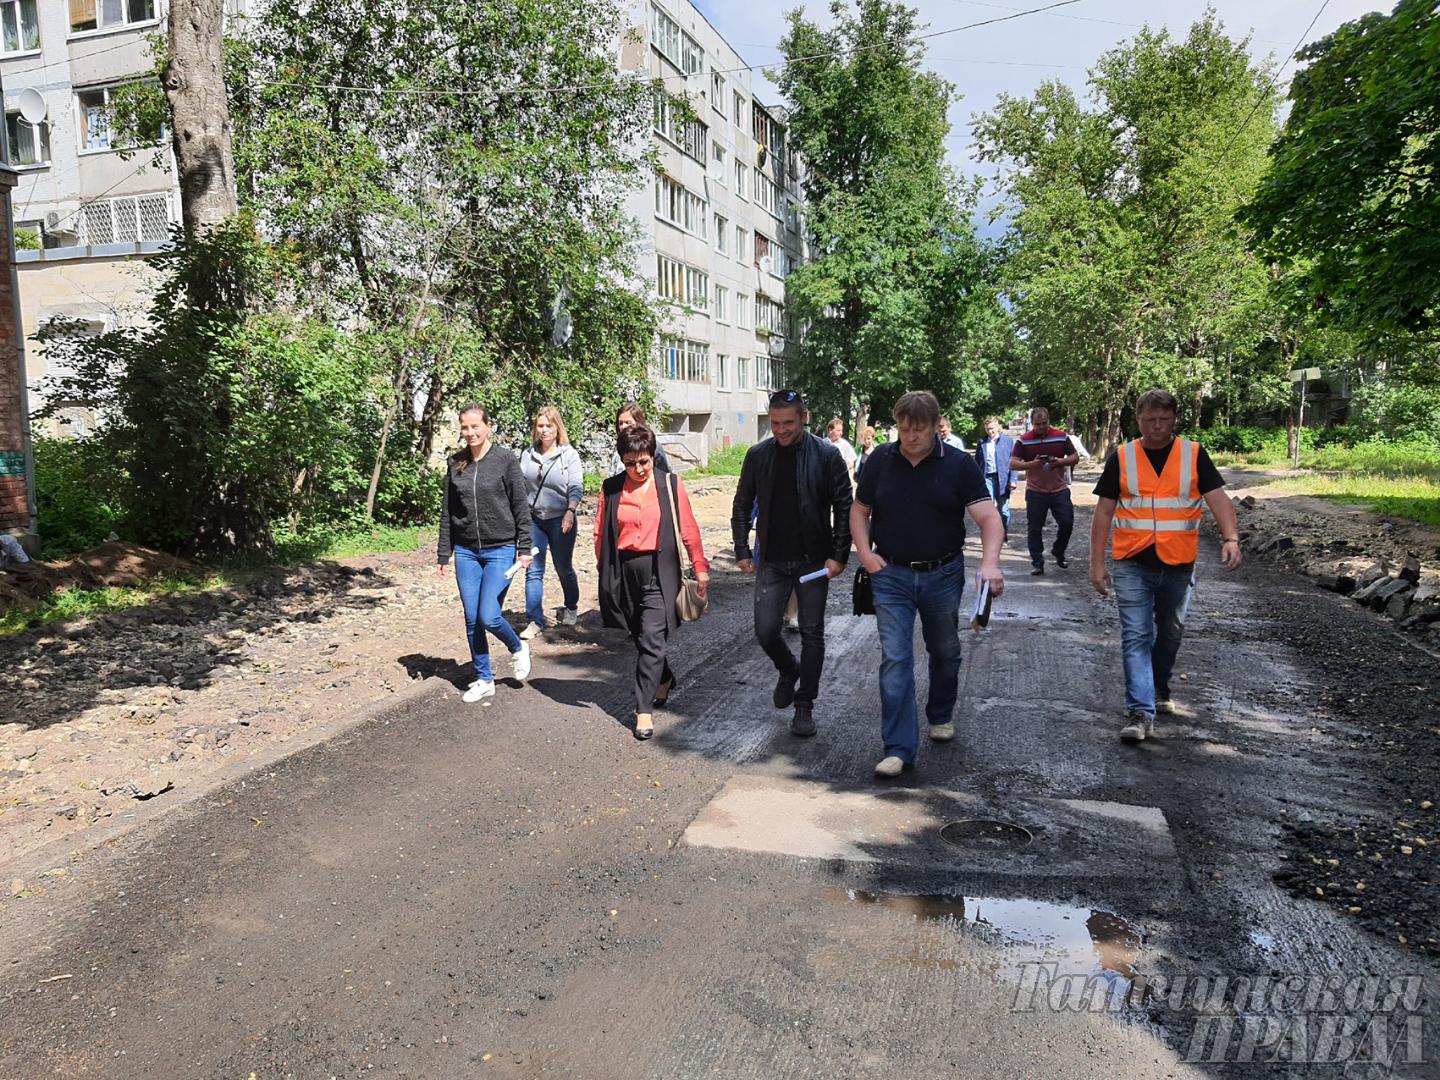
689 604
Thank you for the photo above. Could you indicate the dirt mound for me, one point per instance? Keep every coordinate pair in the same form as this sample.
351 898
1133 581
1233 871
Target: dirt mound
115 563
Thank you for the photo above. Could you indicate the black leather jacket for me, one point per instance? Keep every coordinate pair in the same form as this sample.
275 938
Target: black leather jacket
825 496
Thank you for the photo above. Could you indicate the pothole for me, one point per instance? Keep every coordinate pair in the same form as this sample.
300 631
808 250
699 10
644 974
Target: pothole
986 834
1089 954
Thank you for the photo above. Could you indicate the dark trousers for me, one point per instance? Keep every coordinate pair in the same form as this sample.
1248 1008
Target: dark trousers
1060 508
649 628
774 583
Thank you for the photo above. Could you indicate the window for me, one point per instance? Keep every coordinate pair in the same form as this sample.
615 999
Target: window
717 92
697 288
685 132
722 235
29 143
94 113
109 14
722 371
769 315
739 110
742 373
121 221
767 193
769 373
763 250
722 304
680 206
741 178
742 311
742 242
717 163
21 28
792 215
681 358
676 281
665 34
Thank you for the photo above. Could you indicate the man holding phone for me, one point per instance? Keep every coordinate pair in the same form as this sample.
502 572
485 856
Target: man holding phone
1044 454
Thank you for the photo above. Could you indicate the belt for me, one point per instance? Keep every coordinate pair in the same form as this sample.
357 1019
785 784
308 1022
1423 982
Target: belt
922 564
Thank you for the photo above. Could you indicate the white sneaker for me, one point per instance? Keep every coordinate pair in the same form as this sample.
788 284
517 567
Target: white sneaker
942 732
569 616
479 690
890 766
532 630
792 622
521 659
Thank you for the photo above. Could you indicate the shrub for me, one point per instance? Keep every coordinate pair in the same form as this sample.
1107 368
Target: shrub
726 462
1240 440
77 489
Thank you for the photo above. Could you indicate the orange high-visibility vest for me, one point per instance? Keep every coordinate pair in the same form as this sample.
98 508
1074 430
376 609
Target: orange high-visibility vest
1163 510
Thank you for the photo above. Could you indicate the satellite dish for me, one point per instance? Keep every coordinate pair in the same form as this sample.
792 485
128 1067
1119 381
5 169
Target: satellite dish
776 345
32 106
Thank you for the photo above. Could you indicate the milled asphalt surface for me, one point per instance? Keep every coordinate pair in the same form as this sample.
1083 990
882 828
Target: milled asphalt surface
456 891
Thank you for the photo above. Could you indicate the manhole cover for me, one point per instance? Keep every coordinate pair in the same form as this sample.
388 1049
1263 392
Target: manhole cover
986 833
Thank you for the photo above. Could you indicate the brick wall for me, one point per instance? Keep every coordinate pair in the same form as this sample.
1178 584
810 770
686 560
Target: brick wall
14 502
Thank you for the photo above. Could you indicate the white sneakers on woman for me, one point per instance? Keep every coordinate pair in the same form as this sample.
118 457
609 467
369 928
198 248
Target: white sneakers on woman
521 660
479 690
532 630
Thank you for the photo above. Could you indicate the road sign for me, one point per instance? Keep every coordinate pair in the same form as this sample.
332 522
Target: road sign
1305 374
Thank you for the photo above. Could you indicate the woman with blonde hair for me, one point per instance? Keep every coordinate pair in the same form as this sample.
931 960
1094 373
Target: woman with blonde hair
555 484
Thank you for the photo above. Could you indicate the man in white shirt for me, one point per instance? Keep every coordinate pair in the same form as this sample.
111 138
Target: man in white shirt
947 437
835 432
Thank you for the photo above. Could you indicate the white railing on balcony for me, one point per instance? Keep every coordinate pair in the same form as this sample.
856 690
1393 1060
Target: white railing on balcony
127 219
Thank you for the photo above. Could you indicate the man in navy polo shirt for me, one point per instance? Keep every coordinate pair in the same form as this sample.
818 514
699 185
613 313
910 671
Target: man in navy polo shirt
911 504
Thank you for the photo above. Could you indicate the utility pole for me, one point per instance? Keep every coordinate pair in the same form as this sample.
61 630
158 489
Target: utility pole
1302 376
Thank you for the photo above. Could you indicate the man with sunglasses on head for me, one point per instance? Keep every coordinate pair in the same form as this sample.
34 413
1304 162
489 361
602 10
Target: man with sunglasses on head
801 486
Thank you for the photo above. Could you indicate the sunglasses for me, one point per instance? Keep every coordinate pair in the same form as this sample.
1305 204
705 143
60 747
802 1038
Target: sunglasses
784 397
637 464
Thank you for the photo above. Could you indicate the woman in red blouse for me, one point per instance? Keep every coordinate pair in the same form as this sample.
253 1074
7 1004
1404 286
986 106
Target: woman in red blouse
640 564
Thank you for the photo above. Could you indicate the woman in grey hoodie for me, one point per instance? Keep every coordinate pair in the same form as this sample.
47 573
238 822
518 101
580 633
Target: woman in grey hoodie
556 484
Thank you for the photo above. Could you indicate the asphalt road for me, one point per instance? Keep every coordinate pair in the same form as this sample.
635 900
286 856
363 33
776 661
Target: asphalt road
522 889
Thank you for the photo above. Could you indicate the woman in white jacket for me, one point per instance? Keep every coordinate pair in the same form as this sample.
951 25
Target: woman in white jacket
556 484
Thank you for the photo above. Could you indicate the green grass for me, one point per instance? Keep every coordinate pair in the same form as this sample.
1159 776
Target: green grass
1397 478
86 603
69 604
304 547
724 462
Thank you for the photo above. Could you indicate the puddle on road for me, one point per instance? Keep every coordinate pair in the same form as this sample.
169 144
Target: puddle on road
1098 946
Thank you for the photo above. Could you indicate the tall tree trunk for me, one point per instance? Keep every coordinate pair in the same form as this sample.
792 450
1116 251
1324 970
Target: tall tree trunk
194 81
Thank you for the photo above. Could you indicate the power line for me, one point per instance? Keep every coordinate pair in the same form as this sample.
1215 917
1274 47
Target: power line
575 88
1088 18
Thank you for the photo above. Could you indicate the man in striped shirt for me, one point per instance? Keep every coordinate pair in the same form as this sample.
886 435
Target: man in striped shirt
1044 454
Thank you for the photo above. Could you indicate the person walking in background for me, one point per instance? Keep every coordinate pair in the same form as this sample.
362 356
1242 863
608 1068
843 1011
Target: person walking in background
948 437
835 432
627 416
867 447
912 502
1154 491
485 525
993 456
1043 454
803 492
555 481
636 522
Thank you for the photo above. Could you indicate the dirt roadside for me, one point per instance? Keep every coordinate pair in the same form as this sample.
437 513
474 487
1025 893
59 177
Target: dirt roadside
158 703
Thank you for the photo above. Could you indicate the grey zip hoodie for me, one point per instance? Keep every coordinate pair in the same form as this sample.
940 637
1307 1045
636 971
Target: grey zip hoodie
554 481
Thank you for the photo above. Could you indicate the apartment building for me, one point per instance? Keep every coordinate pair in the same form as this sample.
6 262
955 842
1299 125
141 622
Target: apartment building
86 214
722 229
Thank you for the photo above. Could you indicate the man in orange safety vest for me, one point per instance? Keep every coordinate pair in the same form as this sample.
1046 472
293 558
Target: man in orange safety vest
1153 493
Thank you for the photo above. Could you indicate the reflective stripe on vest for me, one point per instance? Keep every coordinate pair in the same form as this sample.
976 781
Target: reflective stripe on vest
1165 510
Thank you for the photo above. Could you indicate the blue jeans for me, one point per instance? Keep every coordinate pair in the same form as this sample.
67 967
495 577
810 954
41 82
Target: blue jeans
482 581
1152 607
547 536
900 594
1000 496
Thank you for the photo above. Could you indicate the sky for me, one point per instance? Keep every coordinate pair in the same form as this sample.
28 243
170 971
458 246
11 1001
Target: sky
1014 57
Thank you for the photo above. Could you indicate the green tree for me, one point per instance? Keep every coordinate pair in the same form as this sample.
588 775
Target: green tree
897 282
1123 264
1351 201
480 173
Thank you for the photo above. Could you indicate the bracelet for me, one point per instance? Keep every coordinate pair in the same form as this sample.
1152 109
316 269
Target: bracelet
1229 540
